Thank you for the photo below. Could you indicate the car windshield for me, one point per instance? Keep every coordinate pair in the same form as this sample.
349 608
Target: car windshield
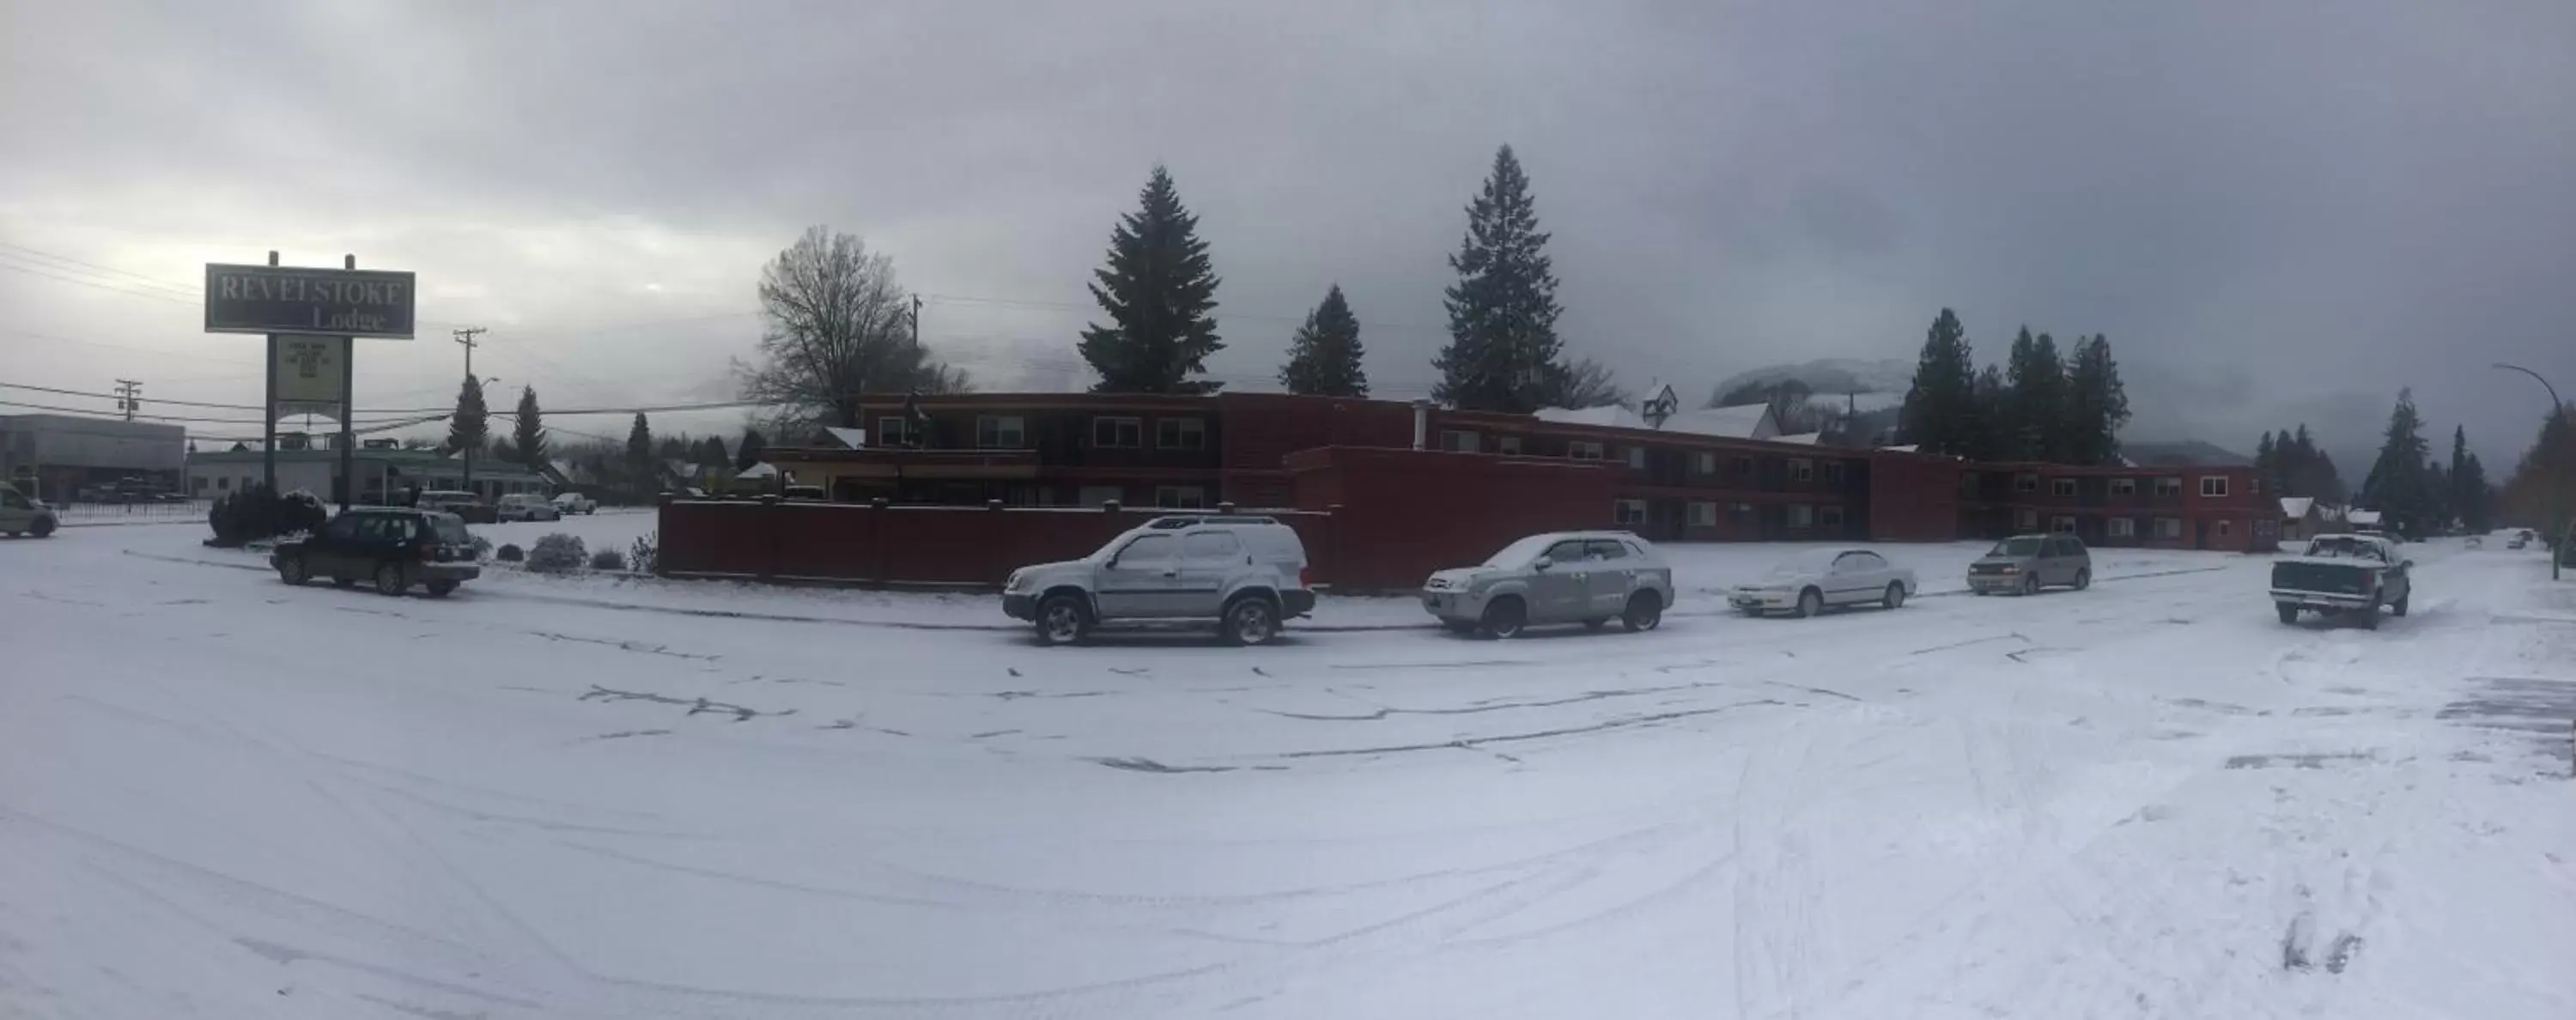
1520 553
2024 546
1805 564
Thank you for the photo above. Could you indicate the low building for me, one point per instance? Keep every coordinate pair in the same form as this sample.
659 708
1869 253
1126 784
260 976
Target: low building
383 475
2301 518
55 457
2167 506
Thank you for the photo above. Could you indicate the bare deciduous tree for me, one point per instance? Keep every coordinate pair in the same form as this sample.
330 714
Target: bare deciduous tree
838 326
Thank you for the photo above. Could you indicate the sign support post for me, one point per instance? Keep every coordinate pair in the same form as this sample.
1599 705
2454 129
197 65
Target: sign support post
268 411
307 315
348 409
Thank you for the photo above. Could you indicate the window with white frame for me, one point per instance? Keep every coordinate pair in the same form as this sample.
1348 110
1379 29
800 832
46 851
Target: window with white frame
1833 472
2225 527
1117 433
1802 469
2061 486
2169 486
2213 485
1583 449
2062 525
1637 457
2026 483
1829 516
2168 527
2254 485
2123 527
2124 486
1001 432
1704 463
1180 497
1802 515
1628 511
894 430
2026 520
1457 441
1180 434
1507 445
1703 515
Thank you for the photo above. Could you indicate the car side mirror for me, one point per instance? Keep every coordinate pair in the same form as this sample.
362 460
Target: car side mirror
1541 564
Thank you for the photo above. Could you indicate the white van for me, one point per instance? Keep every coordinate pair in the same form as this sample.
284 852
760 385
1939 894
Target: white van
1244 572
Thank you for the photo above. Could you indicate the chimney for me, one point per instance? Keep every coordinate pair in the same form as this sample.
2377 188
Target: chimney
1421 424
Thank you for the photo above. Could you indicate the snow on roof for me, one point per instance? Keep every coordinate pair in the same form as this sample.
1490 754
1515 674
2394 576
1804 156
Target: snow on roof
1743 421
1802 439
2360 516
761 470
2296 506
854 439
1907 448
1607 414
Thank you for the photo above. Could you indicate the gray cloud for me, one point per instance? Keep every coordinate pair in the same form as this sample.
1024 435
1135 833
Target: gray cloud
2274 212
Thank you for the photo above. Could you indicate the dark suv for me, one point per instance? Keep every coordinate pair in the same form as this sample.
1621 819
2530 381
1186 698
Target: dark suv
391 547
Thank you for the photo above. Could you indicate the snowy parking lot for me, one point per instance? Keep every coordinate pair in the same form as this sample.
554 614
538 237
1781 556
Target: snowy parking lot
608 796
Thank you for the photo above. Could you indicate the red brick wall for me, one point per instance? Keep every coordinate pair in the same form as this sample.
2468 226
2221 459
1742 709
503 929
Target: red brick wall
861 544
1405 513
1913 498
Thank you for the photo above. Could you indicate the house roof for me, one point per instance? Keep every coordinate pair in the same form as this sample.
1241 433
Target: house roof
1607 414
2296 507
761 470
1743 421
849 439
2358 516
1802 439
2186 453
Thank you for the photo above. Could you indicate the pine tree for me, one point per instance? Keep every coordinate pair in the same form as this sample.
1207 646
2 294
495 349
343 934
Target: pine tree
470 427
2397 484
2035 399
528 433
2266 461
2096 404
1993 438
1941 413
641 474
1324 357
1503 353
750 450
2541 491
1158 288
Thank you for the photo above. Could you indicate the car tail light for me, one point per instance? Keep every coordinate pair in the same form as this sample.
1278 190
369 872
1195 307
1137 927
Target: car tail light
1303 578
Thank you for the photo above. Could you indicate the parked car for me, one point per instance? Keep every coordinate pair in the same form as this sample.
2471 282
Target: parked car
2343 575
1807 583
21 514
1244 572
2518 542
2023 564
1586 577
569 503
467 506
525 506
391 547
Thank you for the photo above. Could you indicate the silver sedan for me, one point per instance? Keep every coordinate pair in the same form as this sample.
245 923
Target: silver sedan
1805 584
1586 577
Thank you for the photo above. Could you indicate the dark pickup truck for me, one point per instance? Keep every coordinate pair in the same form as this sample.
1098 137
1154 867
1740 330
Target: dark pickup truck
2343 574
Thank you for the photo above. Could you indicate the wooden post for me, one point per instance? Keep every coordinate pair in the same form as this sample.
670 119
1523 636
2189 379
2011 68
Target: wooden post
348 409
268 410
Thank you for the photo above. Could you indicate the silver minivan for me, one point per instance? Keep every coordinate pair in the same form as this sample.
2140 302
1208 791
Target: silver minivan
2023 564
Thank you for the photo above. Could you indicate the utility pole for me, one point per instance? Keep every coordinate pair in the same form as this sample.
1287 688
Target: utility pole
128 393
916 324
2553 509
466 336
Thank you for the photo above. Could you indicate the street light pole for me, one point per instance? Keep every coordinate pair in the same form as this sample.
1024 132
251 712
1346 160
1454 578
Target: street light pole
2550 495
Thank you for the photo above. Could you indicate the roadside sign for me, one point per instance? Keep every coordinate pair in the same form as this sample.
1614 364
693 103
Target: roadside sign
309 375
296 300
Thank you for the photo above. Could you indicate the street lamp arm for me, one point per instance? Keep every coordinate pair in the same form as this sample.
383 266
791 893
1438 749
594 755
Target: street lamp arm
2554 402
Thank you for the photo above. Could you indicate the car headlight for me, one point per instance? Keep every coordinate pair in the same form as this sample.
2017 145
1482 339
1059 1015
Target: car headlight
1017 579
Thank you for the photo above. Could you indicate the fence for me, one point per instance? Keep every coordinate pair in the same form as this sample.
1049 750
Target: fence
132 513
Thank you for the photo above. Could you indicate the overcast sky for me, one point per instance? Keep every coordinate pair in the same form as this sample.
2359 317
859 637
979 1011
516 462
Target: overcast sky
2276 211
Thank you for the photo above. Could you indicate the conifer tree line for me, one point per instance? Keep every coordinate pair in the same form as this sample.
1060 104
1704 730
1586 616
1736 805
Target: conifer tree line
2541 492
2293 466
2417 494
2042 404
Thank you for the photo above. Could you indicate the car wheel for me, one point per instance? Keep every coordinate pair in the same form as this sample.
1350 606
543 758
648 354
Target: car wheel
391 579
2370 614
2289 613
1645 612
1895 597
2083 579
441 589
290 569
1504 617
1063 620
1251 620
2399 607
43 528
1810 603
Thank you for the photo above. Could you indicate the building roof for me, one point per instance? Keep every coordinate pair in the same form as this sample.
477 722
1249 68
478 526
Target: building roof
1612 415
2186 453
1802 439
849 439
764 469
2296 507
1743 421
2359 517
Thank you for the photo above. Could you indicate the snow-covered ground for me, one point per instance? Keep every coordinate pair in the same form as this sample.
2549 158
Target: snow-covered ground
595 797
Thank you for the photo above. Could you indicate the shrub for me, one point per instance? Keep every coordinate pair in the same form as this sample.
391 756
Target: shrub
557 553
510 554
482 548
645 552
257 513
608 559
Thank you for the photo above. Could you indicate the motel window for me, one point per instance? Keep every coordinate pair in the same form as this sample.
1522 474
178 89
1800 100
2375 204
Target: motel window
1801 515
1180 434
2255 485
1457 441
1704 463
2213 485
1000 431
1829 516
1739 514
894 431
1629 511
2025 483
2224 526
2169 486
1180 497
199 483
2027 520
1637 457
2124 486
2062 525
1507 445
1703 515
224 483
2061 486
1802 470
2168 527
1583 449
1744 468
2122 527
1095 495
1833 472
1117 433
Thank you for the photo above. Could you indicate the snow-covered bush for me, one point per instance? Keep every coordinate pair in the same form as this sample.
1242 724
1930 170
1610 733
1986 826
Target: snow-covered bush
608 559
557 553
641 556
510 553
257 513
482 548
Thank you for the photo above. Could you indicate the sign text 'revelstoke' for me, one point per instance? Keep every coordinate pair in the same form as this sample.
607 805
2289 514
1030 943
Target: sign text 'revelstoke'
299 300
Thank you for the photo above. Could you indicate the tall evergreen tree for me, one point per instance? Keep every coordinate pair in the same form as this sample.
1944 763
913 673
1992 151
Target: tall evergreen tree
2541 492
470 427
2096 404
1158 287
1992 439
1324 356
2266 462
528 433
2035 402
2398 484
642 475
1503 353
1941 413
750 450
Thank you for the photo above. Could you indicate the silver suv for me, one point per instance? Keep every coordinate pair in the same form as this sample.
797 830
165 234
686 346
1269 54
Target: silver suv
1246 572
1586 577
2023 564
